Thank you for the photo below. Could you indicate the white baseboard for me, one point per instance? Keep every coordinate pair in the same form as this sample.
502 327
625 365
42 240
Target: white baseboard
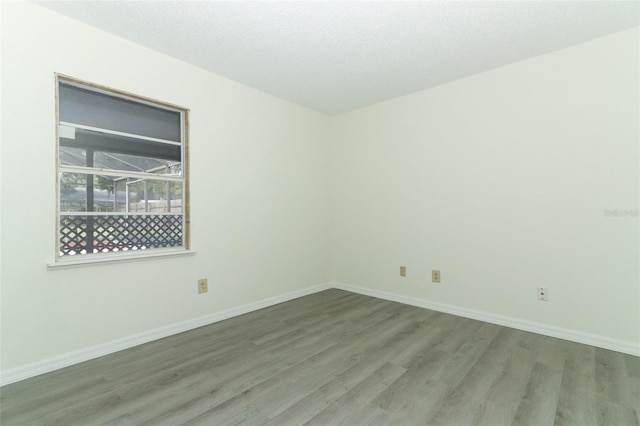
561 333
65 360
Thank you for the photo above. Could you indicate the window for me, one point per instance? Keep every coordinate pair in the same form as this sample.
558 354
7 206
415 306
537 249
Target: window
121 172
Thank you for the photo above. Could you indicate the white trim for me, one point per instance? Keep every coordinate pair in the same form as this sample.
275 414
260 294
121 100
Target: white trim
117 133
122 256
17 374
544 329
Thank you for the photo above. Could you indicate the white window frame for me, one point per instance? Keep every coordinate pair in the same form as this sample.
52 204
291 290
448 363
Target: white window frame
126 254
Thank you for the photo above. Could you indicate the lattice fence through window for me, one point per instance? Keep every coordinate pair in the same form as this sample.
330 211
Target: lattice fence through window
112 233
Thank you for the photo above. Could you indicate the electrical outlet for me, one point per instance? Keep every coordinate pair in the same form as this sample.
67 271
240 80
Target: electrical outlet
435 276
543 294
202 285
403 271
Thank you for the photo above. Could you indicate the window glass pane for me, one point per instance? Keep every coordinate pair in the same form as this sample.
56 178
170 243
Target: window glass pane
134 163
118 144
130 163
109 228
82 106
73 235
103 193
72 156
114 194
148 195
73 192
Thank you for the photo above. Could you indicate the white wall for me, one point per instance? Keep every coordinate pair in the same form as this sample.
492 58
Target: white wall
501 180
258 194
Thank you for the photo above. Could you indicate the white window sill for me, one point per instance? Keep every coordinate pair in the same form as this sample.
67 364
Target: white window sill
98 258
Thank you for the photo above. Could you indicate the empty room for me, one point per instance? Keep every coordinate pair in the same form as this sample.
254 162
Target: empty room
288 213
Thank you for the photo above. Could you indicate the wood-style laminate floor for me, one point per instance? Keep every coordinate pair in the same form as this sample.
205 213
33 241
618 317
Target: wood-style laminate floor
339 358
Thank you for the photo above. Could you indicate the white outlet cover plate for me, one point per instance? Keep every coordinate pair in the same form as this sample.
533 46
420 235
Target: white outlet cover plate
543 294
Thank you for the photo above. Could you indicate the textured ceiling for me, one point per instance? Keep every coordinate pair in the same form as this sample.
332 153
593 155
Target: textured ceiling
335 57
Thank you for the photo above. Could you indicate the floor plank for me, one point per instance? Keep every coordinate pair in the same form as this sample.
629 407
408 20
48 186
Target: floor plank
339 358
